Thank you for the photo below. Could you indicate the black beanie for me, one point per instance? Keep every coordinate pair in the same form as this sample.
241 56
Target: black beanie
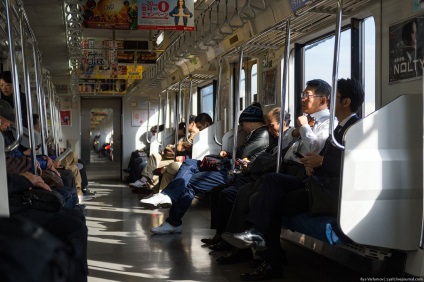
252 114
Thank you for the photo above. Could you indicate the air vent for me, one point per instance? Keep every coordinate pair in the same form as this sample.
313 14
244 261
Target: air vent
234 40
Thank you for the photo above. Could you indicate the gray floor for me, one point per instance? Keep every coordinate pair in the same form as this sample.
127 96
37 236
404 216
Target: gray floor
121 248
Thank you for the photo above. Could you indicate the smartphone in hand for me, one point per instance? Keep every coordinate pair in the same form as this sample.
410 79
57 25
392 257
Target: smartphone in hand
299 155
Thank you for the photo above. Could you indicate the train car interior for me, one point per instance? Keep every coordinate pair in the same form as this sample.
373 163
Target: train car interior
134 131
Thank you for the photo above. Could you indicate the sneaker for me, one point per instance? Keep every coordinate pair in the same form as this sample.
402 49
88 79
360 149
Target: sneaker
137 184
84 198
156 201
166 228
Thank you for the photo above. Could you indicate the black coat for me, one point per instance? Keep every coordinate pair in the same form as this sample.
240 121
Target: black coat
333 156
255 144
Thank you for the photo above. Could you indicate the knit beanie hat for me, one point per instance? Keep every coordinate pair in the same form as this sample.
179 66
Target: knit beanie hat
252 114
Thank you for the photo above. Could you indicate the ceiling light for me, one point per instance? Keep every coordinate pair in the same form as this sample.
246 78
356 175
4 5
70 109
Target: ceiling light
160 38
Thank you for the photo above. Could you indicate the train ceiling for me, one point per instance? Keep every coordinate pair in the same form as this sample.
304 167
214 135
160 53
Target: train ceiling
47 20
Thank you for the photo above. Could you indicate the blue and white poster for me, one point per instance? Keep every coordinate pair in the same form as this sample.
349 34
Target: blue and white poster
166 15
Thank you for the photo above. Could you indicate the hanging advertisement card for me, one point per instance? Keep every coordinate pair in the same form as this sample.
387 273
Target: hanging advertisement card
65 118
166 15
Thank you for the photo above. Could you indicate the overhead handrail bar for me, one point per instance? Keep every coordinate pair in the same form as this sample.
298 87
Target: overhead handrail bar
217 113
14 71
236 21
28 95
237 107
148 118
335 74
283 95
189 105
309 6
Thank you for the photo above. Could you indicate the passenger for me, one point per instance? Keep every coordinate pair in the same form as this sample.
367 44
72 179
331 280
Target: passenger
286 195
312 132
148 178
190 180
7 91
68 225
17 162
222 198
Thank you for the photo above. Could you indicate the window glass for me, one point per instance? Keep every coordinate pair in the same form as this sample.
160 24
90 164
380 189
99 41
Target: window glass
319 58
206 100
254 83
242 89
369 65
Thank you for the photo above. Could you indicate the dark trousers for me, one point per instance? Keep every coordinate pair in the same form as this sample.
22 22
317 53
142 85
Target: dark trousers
83 173
280 194
222 201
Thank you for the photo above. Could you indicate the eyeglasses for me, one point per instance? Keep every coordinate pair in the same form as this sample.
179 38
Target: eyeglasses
304 96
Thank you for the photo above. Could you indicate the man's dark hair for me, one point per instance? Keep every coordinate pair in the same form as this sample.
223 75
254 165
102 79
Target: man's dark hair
6 76
320 87
351 88
204 120
182 126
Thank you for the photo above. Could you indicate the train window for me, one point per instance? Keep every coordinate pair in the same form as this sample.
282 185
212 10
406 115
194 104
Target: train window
318 54
254 83
242 89
206 100
369 65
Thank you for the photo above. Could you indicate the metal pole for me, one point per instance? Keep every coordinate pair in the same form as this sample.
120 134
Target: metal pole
159 115
189 105
237 106
27 84
335 74
217 113
148 118
177 109
14 71
283 94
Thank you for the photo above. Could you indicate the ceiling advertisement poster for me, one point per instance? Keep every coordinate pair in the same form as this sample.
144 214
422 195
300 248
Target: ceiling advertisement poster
110 14
166 15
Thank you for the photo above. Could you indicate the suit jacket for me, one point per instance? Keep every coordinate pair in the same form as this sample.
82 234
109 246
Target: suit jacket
333 156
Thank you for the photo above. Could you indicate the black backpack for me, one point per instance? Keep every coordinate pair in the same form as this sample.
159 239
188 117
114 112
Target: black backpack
29 253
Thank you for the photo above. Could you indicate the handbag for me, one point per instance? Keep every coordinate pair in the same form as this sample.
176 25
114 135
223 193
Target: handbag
323 195
52 179
38 199
264 163
214 163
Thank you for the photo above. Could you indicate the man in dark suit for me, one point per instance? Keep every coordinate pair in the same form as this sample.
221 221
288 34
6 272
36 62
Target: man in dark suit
284 194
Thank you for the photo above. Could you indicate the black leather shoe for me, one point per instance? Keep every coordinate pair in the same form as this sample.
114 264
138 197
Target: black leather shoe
211 241
221 246
264 272
246 239
235 256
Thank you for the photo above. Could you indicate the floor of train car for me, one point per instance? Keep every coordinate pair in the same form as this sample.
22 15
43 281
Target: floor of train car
121 248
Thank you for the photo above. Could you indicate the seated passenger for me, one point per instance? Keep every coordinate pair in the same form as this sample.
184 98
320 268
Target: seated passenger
309 137
222 198
148 178
7 92
190 180
286 195
17 162
68 225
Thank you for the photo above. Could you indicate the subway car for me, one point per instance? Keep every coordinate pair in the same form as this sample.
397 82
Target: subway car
140 120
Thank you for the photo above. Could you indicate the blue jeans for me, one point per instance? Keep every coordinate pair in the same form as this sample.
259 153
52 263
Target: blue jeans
69 195
188 182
